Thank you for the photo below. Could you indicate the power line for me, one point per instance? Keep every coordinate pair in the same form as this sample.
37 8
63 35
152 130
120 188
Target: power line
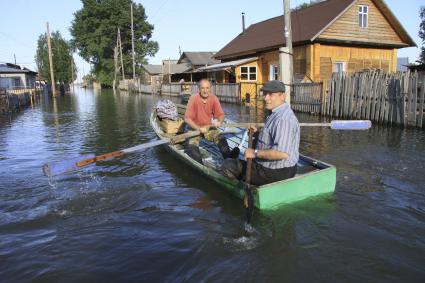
14 39
157 11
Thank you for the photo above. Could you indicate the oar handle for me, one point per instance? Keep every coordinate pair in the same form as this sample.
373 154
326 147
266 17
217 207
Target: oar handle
183 137
242 125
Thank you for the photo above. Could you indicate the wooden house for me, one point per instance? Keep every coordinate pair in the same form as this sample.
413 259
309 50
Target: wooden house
196 60
329 36
15 79
167 72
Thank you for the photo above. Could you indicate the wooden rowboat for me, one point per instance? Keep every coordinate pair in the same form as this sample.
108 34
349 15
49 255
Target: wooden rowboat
313 177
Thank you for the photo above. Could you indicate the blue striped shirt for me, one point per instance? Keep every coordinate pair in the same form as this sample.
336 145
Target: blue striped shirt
281 132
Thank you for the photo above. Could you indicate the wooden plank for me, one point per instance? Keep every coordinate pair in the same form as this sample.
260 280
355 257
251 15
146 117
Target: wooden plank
365 93
346 93
404 91
380 98
359 79
374 106
337 94
421 103
355 84
331 95
400 98
414 98
383 105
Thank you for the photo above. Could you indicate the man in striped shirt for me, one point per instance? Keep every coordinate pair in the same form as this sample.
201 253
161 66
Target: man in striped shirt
276 150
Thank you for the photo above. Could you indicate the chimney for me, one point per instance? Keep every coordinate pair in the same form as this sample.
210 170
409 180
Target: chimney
243 22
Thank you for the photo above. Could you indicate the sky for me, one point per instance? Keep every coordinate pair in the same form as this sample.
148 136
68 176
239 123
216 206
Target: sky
186 25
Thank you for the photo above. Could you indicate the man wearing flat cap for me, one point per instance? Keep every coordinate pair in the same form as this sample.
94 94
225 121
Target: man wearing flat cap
276 151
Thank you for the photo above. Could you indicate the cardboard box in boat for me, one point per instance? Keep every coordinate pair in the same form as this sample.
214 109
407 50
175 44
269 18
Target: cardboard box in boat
172 127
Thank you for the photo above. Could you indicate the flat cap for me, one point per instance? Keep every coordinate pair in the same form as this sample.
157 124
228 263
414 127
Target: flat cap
273 86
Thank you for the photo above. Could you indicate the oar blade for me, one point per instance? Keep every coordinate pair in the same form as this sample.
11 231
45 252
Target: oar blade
351 124
63 166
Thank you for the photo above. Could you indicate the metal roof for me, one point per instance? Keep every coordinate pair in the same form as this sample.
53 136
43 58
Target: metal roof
307 24
8 69
226 65
174 68
198 58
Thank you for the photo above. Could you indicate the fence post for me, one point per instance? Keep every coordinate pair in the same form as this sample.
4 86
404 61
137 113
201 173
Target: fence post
421 103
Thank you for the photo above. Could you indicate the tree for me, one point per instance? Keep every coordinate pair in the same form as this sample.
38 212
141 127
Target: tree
61 56
305 5
422 35
94 31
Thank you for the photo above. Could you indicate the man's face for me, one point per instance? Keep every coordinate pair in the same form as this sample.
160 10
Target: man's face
274 99
204 89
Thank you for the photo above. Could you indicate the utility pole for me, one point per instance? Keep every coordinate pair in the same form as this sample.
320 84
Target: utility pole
132 42
14 56
116 65
120 47
285 53
49 48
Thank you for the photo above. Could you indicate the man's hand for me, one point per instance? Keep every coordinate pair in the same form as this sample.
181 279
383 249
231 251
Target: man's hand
253 128
249 153
204 129
216 123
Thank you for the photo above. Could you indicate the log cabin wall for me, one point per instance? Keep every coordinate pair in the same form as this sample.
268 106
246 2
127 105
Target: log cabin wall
352 50
353 59
346 27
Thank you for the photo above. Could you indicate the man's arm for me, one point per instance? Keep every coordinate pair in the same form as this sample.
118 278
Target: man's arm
274 154
219 113
189 114
269 154
192 124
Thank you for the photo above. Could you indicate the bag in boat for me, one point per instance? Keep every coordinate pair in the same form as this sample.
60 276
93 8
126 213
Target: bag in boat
168 116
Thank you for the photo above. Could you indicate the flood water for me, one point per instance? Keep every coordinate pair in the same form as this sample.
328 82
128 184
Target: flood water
146 217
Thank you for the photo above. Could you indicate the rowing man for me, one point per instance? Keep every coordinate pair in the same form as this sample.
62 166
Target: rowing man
203 111
275 154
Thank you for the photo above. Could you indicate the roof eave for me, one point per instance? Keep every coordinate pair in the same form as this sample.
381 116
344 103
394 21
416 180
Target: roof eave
392 19
360 43
334 20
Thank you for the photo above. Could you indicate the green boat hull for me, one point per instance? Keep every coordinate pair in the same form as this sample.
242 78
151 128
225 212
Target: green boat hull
319 179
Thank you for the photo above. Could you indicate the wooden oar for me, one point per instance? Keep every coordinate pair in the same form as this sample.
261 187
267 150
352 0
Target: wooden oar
249 199
64 166
335 125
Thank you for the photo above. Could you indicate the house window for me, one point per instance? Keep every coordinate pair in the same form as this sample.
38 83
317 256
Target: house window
339 67
363 16
273 73
248 73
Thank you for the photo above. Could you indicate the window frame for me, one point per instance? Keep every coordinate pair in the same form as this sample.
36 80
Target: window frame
248 73
363 16
336 69
273 72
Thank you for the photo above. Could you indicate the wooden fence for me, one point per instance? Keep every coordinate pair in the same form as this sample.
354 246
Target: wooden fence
307 97
225 92
374 95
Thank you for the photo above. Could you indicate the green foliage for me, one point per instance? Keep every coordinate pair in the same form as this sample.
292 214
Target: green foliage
94 29
305 5
61 56
422 35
